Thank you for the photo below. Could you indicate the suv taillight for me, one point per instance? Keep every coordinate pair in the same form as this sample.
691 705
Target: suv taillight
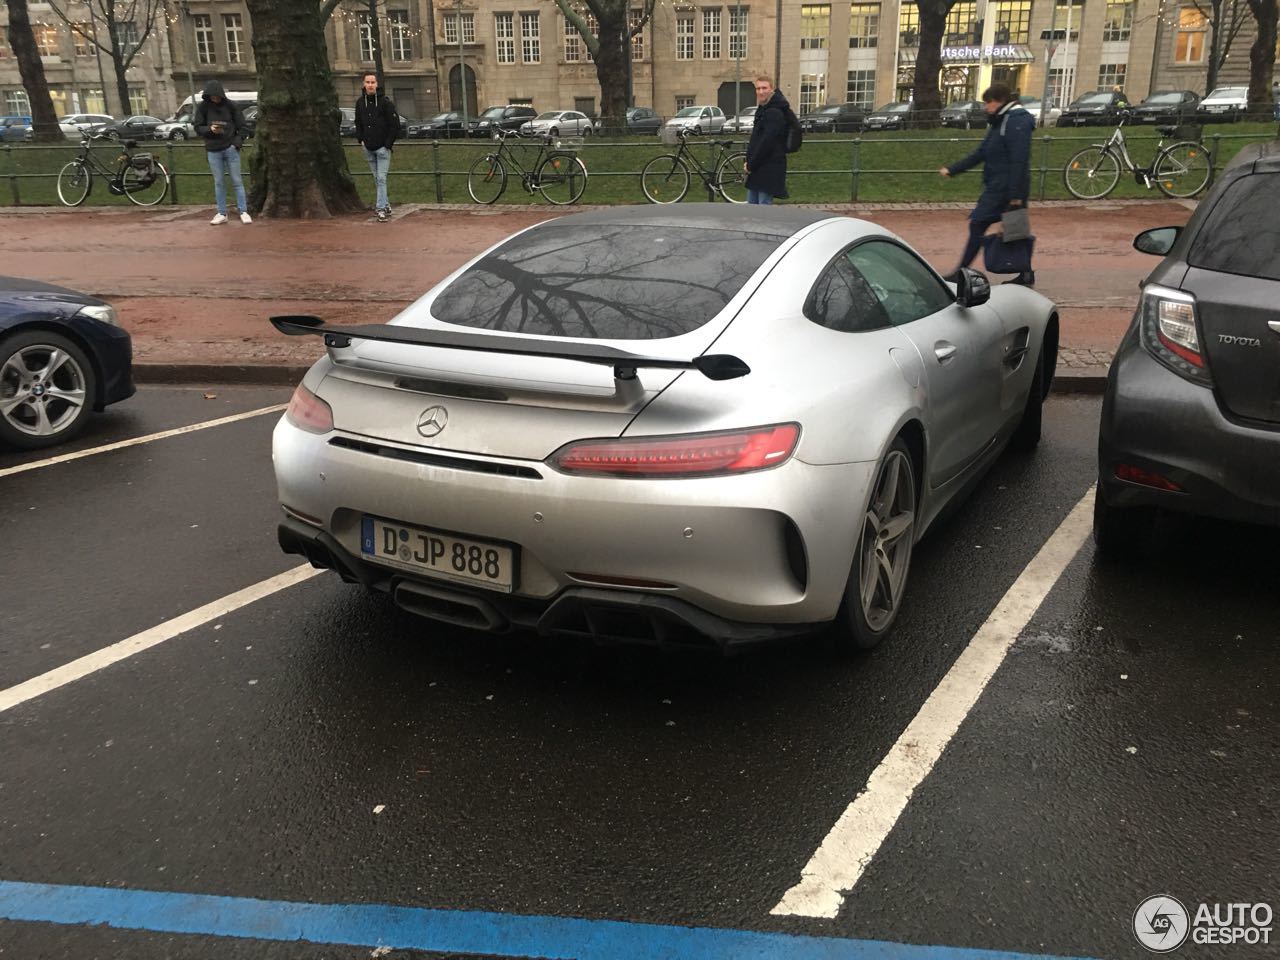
1170 332
686 455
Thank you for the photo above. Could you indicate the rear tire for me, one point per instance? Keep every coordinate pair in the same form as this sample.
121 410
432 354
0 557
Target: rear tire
143 191
487 179
561 178
1182 170
732 178
1121 533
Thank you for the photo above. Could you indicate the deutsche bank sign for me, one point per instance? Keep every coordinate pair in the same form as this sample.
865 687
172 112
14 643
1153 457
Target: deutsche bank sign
974 54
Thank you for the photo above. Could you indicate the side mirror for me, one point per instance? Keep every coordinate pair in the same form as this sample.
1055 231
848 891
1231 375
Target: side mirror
972 288
1157 241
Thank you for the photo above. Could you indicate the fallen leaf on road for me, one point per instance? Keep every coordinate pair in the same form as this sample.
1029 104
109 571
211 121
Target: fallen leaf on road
211 396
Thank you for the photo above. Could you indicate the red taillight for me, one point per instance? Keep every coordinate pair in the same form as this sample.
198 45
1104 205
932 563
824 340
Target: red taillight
692 455
308 412
1127 471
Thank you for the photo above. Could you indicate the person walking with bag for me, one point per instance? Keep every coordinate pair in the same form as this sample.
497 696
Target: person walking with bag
1005 155
221 124
377 126
766 165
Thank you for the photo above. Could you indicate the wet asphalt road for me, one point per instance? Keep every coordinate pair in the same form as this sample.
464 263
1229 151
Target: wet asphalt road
1125 748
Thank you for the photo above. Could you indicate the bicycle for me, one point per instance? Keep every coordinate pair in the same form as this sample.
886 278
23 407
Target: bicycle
665 179
136 176
557 174
1181 169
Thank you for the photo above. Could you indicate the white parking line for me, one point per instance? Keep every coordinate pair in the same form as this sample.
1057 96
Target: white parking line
838 864
100 659
106 448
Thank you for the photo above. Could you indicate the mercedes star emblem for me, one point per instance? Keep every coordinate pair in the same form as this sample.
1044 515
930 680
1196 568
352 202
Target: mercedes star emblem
432 421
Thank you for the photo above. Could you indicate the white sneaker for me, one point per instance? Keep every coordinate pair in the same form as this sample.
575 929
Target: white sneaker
245 218
220 218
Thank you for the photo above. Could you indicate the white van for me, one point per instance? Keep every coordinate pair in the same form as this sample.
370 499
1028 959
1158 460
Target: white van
179 127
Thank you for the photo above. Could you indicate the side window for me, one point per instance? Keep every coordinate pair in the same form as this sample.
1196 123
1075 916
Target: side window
841 300
905 287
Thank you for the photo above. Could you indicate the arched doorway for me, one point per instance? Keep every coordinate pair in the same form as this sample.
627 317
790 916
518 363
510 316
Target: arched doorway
455 90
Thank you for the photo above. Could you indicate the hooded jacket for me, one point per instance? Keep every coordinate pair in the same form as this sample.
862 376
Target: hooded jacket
226 112
377 123
767 149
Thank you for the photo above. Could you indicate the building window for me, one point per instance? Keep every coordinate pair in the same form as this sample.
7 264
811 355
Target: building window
908 25
504 30
530 42
710 34
80 33
684 37
233 27
1070 11
1189 42
47 38
1060 83
366 38
4 44
137 100
1013 22
813 91
1111 75
451 28
864 25
861 88
815 26
572 43
1119 20
401 44
16 103
637 42
738 33
962 25
92 101
126 38
682 102
204 38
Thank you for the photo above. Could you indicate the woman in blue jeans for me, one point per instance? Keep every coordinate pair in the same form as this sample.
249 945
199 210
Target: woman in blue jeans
221 124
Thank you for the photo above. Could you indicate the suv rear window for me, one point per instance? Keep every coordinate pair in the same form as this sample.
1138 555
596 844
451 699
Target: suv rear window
1242 232
605 281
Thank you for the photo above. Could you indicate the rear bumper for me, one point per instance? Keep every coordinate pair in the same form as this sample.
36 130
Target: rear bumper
1155 420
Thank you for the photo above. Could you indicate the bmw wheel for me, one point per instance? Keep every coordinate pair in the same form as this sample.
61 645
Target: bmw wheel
47 388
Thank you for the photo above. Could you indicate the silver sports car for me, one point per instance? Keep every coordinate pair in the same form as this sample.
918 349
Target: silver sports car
703 423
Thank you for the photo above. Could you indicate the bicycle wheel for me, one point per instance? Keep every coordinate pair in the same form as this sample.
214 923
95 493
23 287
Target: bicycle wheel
561 177
74 183
665 179
1092 173
147 187
1182 169
731 178
487 178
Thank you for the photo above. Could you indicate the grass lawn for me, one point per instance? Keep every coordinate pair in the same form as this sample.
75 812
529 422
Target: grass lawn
889 167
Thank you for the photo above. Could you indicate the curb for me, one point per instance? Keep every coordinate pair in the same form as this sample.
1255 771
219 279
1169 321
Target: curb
288 375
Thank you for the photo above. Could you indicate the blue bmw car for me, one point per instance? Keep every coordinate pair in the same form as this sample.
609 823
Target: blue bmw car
63 355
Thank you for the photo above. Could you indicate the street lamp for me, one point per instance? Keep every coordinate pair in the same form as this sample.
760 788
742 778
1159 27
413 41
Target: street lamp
184 8
737 58
462 69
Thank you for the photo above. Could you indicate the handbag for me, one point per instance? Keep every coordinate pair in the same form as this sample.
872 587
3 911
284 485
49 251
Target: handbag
1007 256
1016 223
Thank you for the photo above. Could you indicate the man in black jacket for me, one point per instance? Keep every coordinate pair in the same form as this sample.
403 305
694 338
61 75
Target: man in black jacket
221 124
377 126
767 149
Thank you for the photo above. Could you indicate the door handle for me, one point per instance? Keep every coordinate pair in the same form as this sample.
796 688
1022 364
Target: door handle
1274 325
944 351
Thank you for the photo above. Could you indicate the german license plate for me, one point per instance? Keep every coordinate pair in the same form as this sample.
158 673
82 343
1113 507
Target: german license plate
435 554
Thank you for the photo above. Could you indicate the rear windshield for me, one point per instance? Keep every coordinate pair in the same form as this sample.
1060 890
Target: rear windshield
1242 232
605 281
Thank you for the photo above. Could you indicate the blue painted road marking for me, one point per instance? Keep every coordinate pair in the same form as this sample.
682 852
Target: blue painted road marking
445 931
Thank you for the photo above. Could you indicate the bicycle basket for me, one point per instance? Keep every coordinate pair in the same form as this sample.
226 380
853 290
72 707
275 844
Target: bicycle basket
670 135
141 161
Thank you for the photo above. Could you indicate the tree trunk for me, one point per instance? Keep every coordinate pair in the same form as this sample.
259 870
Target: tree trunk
44 121
611 69
1215 37
299 167
1262 58
926 93
375 34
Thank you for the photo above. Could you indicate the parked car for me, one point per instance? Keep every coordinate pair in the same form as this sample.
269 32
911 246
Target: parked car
63 355
1167 107
443 126
643 120
137 127
635 423
1098 108
838 118
891 116
965 114
698 120
75 125
1191 413
1223 104
510 117
742 123
559 123
1034 106
347 122
14 128
175 130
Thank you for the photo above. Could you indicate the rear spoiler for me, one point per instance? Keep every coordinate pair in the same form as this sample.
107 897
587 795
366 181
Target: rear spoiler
715 366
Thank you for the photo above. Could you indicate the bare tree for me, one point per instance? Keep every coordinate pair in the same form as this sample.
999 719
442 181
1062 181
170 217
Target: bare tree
31 70
611 48
1262 56
926 93
125 27
1225 18
366 11
299 167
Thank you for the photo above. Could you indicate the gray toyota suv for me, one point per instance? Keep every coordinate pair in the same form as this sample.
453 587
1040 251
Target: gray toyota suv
1191 415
